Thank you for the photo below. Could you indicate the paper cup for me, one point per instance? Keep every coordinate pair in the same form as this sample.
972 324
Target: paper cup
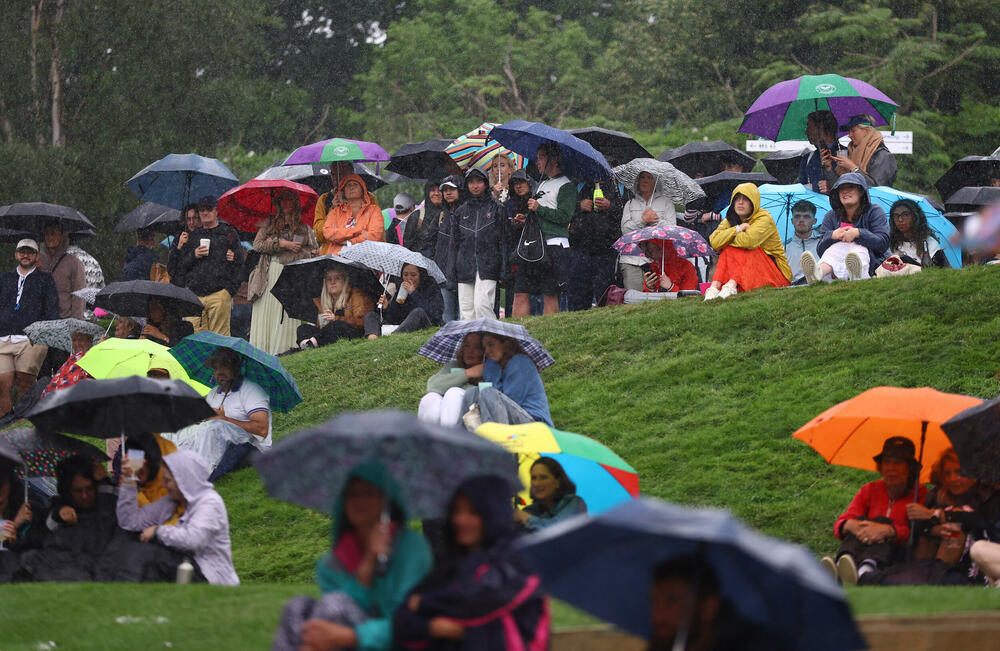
205 242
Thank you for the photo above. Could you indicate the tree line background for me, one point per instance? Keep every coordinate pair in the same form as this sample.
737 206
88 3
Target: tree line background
93 91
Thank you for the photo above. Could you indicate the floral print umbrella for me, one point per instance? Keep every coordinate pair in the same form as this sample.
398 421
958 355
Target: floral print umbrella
687 243
42 452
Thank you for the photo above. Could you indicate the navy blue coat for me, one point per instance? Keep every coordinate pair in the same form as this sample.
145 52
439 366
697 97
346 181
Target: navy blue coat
39 301
477 242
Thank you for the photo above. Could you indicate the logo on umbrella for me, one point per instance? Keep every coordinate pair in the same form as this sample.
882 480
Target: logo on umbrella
826 89
340 150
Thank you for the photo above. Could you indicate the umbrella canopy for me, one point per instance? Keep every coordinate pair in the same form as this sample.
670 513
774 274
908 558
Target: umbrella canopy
780 112
57 333
246 205
477 149
33 217
706 157
687 243
670 181
424 160
944 231
603 479
122 406
604 565
317 176
8 452
115 357
617 146
88 294
301 282
9 236
724 183
131 298
257 366
579 160
968 171
179 179
975 435
41 451
337 149
784 165
972 198
779 199
390 258
443 344
852 432
428 462
163 218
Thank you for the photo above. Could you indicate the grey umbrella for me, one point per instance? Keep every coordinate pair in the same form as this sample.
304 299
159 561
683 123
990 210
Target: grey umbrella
57 333
670 181
165 219
390 258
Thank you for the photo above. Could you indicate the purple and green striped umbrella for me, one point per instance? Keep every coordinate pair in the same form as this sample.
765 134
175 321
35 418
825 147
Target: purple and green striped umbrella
337 149
780 112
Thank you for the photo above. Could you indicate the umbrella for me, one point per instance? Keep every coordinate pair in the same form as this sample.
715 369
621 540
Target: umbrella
34 216
968 171
42 451
687 243
706 157
8 452
9 236
443 344
723 183
424 160
852 432
301 282
975 435
780 112
972 198
579 160
616 146
604 565
337 149
179 179
944 231
165 219
124 357
317 176
603 479
57 332
785 165
670 181
259 367
120 407
390 258
477 149
246 205
88 294
131 298
428 462
779 199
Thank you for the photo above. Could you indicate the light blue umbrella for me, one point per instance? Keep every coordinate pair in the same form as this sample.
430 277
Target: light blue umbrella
941 228
179 179
779 199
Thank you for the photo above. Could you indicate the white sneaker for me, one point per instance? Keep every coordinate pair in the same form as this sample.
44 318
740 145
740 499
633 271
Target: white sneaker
854 265
847 570
712 293
810 267
827 564
472 418
727 290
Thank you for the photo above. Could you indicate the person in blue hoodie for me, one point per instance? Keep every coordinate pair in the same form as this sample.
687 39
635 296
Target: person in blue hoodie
512 391
480 594
360 593
139 259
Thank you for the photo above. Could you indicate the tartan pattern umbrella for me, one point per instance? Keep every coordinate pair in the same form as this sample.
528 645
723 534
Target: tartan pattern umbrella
57 333
670 181
246 205
257 366
390 258
337 149
443 344
687 243
41 452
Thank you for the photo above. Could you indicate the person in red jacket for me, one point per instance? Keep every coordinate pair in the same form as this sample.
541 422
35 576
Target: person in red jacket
668 273
874 528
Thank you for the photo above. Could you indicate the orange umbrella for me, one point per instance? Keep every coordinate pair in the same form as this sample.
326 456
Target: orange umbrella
852 432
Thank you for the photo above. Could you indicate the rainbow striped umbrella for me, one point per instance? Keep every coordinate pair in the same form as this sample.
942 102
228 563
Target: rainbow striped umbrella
477 149
603 479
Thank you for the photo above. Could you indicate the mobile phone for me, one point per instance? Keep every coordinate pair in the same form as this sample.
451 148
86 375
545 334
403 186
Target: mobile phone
647 268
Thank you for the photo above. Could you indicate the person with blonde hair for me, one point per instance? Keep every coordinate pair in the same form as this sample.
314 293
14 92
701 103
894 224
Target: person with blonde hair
501 168
342 309
867 153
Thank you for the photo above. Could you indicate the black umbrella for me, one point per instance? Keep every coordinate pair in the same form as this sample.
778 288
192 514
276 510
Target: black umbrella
423 160
120 407
706 158
9 236
975 435
33 217
301 282
131 298
617 147
972 198
166 220
784 165
726 182
971 170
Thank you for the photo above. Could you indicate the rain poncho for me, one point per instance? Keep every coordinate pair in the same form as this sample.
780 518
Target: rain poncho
762 234
478 238
339 226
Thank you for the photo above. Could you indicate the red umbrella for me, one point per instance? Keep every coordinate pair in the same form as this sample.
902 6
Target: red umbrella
246 205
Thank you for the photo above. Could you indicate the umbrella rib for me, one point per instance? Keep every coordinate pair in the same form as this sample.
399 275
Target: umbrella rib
846 439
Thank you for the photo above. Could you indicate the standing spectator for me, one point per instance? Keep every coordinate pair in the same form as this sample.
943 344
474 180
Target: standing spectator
241 402
594 228
803 238
211 265
867 153
451 192
647 208
139 259
478 252
27 294
191 221
816 169
66 269
403 204
353 218
501 169
421 230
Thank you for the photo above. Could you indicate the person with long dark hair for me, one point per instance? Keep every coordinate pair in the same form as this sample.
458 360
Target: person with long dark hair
553 497
416 305
910 237
163 325
14 510
516 393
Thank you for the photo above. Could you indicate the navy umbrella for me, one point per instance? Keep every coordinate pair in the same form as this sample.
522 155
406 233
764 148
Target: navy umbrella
179 179
706 157
975 434
300 283
424 160
166 220
34 216
604 565
579 159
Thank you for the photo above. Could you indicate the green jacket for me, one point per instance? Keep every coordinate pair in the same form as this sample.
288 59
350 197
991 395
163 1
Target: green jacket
554 222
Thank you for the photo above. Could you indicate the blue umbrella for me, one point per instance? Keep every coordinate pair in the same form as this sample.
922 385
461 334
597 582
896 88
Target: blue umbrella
779 199
178 179
941 228
579 159
604 565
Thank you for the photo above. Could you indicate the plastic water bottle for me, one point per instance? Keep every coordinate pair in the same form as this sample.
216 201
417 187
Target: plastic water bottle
185 571
598 194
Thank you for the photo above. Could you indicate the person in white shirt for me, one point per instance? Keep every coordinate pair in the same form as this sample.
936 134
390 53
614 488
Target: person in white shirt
647 208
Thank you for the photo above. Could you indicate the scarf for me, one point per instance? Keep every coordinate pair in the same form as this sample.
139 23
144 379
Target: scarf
861 153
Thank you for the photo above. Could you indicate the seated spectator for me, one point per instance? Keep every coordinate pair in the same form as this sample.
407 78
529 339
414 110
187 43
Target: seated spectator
647 208
867 154
14 510
515 394
342 310
82 487
242 403
146 487
359 594
874 528
203 529
442 403
803 238
480 595
667 272
951 492
163 326
127 327
417 305
750 250
553 497
353 218
911 245
69 373
854 235
139 259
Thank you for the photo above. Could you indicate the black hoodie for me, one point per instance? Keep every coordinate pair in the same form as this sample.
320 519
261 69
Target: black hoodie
421 230
478 242
594 232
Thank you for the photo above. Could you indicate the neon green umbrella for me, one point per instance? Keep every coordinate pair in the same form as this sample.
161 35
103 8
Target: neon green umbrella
123 357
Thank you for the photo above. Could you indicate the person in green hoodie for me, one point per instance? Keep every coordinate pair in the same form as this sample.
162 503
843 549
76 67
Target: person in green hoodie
360 591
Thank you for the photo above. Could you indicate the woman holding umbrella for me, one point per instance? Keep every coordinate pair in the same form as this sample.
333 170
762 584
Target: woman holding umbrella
417 305
647 208
667 271
355 218
516 393
282 240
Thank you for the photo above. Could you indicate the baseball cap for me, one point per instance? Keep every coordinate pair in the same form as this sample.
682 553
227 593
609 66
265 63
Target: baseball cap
207 201
27 244
402 201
